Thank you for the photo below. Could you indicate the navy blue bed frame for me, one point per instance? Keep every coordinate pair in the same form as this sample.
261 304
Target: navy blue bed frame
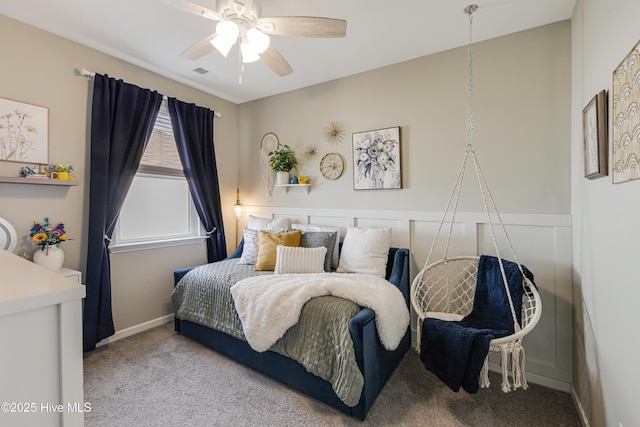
375 362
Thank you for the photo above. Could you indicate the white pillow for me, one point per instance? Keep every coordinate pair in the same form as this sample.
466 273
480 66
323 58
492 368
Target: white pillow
290 259
365 251
277 225
249 247
335 256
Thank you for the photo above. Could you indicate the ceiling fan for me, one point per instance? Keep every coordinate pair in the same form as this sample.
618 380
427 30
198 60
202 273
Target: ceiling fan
241 20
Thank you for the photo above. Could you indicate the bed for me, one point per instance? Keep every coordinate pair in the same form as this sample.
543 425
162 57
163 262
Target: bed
373 360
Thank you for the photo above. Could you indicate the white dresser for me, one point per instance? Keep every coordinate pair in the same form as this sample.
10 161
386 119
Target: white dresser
41 351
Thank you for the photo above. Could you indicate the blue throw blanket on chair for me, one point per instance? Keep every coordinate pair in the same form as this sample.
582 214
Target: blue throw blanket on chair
455 351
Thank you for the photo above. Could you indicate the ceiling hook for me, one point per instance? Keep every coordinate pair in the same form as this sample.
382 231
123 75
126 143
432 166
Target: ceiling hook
470 9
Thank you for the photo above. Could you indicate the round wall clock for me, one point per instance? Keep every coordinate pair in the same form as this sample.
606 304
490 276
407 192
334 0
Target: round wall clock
269 143
332 166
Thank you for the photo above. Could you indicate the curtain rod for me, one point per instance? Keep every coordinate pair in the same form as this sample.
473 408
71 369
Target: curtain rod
88 74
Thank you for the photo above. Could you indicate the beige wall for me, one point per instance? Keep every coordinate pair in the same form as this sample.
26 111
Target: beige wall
523 141
606 234
39 68
522 116
522 105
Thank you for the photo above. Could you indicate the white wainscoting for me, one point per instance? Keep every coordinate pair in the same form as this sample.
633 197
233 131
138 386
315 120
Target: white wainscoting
541 242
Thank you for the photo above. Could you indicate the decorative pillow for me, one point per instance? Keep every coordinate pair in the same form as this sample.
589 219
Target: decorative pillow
277 225
250 247
315 239
365 251
335 255
267 244
290 259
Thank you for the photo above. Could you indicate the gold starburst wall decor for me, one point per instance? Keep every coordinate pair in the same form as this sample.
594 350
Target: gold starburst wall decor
334 132
311 152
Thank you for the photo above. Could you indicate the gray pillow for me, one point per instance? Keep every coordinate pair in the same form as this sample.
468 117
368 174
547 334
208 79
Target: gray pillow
315 239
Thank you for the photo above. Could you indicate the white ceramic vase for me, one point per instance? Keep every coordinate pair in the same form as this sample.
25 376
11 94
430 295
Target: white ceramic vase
51 257
282 178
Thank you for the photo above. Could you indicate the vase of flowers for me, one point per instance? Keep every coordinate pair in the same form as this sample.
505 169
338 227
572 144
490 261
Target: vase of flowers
282 161
48 237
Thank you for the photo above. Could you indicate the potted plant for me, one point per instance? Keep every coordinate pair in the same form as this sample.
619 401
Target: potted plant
282 161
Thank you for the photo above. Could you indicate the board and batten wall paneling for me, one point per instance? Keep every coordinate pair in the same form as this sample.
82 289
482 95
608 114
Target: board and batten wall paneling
541 242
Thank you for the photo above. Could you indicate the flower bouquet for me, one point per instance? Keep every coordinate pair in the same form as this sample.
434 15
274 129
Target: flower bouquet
45 235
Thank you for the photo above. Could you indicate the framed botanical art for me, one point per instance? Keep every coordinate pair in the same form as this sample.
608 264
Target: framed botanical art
376 159
24 132
594 123
625 117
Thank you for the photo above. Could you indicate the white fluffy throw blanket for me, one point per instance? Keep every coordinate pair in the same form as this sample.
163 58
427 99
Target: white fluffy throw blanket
269 305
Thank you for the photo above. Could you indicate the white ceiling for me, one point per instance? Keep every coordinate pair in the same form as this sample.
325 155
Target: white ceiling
379 33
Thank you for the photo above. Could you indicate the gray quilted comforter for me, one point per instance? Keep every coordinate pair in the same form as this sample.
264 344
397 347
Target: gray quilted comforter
320 341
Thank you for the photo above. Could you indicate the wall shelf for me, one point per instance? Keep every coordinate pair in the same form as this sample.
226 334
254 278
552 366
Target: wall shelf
37 181
285 187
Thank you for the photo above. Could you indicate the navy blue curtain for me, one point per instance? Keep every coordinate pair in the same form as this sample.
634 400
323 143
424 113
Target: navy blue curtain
193 132
122 119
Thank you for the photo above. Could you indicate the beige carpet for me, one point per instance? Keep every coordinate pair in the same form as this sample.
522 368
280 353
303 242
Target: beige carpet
160 378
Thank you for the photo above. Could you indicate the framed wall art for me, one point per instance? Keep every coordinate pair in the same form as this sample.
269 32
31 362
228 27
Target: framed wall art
24 132
625 116
594 123
376 159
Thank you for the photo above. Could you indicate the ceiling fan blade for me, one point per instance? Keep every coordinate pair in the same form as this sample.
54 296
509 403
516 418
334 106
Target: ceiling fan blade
190 7
274 60
199 49
303 26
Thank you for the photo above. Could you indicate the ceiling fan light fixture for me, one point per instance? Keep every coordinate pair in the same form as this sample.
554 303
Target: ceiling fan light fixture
249 52
226 35
259 40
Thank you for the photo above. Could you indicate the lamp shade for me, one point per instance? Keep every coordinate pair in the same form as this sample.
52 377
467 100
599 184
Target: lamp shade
238 206
249 53
226 35
259 40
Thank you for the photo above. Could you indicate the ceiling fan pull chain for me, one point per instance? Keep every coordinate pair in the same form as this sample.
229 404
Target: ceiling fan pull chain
240 65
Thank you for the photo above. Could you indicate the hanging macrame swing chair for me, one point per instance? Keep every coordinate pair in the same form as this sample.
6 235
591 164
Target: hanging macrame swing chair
446 289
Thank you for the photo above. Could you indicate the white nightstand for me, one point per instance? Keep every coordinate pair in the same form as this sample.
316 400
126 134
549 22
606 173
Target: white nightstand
71 274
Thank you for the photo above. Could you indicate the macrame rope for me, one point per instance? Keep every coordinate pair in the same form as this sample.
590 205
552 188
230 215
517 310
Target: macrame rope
484 188
512 354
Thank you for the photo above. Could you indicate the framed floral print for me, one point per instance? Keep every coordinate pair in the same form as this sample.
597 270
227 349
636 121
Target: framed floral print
376 159
24 132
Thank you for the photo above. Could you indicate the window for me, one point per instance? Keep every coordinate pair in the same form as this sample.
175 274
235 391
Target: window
158 210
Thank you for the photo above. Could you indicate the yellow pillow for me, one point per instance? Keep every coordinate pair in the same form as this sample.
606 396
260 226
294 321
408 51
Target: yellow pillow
267 244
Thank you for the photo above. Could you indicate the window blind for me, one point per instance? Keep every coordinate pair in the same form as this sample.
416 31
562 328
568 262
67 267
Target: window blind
161 155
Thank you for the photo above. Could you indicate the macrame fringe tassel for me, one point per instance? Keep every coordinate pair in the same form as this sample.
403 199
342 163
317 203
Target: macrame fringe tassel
484 374
504 361
513 359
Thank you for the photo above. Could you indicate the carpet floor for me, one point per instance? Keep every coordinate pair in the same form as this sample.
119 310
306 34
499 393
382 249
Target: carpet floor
160 378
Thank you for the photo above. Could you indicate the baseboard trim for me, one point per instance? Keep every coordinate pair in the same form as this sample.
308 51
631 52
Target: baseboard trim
137 329
581 413
537 379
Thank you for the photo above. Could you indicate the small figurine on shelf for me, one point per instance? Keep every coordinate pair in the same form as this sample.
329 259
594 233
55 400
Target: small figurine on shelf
32 172
293 180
